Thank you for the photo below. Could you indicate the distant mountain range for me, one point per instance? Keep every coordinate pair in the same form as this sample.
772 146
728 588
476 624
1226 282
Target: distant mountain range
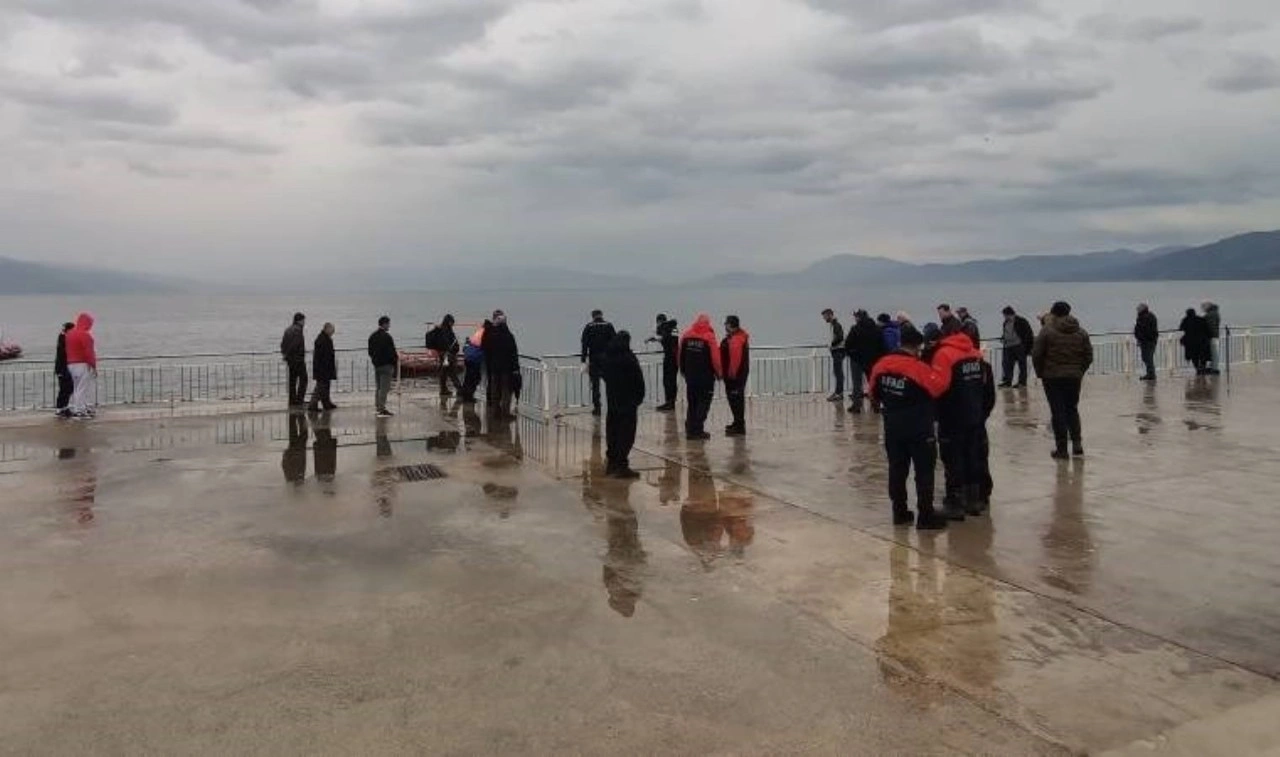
1252 256
23 277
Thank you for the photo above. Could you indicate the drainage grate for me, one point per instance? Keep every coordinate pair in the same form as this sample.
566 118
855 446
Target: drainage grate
424 472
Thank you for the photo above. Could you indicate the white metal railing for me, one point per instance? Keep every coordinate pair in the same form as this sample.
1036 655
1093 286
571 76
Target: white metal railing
550 384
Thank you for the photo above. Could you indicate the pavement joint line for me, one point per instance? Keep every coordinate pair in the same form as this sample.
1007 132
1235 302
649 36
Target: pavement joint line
1090 612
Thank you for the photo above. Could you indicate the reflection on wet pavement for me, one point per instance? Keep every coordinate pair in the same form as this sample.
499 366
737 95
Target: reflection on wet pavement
1097 605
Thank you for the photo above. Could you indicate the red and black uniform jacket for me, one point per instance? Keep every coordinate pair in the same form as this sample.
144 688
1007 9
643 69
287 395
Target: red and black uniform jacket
735 356
699 354
906 388
964 403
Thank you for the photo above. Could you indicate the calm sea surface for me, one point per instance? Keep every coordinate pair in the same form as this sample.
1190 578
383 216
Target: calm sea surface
550 322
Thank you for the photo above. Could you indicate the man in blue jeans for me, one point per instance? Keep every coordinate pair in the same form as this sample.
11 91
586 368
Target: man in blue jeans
382 352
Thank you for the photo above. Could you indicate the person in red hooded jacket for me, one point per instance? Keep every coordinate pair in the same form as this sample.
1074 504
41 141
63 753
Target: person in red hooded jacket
735 358
961 419
700 363
907 389
82 363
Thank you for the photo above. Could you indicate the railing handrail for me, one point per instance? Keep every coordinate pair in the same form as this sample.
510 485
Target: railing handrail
542 358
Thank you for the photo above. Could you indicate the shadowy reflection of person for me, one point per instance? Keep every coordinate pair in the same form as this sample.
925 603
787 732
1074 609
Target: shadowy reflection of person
325 450
445 441
700 522
625 560
1204 410
593 469
914 631
293 462
970 600
471 422
385 477
381 441
81 484
1070 556
1148 416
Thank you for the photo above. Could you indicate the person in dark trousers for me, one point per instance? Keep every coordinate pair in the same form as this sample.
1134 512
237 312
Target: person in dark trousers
960 419
1016 337
385 358
667 337
735 358
907 389
502 365
444 341
1146 332
624 388
835 339
1213 318
971 326
324 367
596 338
864 346
66 384
1197 340
700 363
293 348
986 485
1062 354
473 363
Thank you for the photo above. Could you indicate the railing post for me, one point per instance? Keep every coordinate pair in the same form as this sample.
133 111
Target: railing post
546 387
813 372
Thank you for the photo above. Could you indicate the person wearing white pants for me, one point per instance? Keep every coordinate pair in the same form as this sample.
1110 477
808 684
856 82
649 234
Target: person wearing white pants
82 364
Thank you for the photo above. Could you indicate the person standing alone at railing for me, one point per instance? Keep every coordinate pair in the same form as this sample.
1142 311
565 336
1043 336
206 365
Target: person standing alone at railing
835 340
700 363
293 348
66 384
324 366
1146 331
1062 355
82 364
383 355
596 338
735 357
667 337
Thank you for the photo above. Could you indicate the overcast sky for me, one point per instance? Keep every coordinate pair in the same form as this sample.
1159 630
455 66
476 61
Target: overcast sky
638 136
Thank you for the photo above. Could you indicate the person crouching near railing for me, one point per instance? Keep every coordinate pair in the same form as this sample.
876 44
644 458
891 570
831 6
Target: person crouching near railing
907 389
700 363
735 358
82 364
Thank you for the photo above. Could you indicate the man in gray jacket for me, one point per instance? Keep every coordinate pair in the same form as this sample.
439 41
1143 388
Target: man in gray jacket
293 348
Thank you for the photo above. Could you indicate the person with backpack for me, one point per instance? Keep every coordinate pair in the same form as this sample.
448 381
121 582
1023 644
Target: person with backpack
444 342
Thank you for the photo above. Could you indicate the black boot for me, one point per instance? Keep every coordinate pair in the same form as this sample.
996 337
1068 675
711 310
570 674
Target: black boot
973 500
930 520
902 516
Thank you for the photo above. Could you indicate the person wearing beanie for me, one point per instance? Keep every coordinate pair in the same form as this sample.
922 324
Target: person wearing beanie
624 387
1062 355
907 389
597 337
666 336
735 357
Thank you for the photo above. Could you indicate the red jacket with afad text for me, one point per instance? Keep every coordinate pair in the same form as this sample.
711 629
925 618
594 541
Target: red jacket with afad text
907 389
699 353
80 342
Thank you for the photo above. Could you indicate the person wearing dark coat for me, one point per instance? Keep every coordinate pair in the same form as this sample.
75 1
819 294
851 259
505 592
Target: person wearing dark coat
1016 337
735 359
293 348
324 368
66 384
597 337
1146 332
1197 341
669 339
444 341
385 358
624 387
864 346
502 365
1062 355
835 341
961 417
700 363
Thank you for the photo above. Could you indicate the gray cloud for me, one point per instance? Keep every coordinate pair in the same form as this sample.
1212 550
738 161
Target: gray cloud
91 104
1035 96
1142 29
1249 72
932 57
907 12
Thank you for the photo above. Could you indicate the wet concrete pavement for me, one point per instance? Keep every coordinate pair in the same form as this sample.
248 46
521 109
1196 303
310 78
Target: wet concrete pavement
267 583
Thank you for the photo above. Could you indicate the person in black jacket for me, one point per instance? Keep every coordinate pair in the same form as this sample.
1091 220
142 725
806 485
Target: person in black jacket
66 385
1197 341
324 366
597 337
385 358
864 346
502 365
624 386
444 341
735 360
835 341
293 348
961 416
1146 331
1016 337
670 340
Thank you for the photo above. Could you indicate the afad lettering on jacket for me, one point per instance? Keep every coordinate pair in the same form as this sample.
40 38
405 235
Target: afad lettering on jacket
893 384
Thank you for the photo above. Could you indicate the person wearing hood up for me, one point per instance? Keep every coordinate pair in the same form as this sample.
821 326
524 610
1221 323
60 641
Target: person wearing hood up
908 388
66 384
624 390
735 357
1062 355
1213 317
700 363
961 417
666 336
1197 341
82 364
501 363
